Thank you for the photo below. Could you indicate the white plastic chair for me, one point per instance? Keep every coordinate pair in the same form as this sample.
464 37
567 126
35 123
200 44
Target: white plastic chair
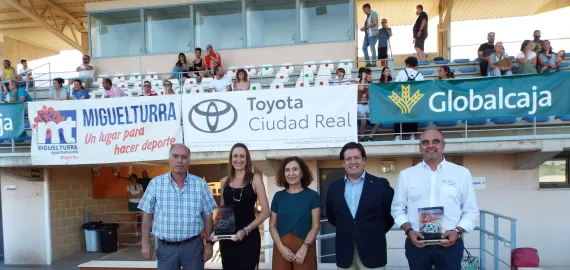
134 78
197 89
320 82
326 65
283 76
206 82
267 71
151 76
311 66
347 63
302 83
255 86
307 74
251 71
287 67
120 77
277 84
232 71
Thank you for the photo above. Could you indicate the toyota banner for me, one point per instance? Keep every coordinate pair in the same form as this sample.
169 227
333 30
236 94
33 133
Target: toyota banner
271 119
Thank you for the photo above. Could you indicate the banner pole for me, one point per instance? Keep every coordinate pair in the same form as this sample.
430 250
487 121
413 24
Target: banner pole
466 124
534 126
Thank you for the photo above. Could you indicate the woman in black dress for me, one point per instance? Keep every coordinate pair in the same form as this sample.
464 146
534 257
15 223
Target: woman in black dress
242 188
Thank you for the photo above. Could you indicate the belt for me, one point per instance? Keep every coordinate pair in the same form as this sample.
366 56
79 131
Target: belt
178 243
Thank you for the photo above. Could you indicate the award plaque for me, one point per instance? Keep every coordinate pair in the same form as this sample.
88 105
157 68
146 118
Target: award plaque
224 223
431 227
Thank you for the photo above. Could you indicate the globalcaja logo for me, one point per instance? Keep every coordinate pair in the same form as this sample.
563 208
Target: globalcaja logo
212 116
55 127
406 101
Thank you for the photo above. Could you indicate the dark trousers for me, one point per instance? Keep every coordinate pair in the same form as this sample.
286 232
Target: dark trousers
483 64
443 258
187 255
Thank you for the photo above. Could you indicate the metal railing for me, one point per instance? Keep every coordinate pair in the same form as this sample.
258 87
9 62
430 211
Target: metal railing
485 233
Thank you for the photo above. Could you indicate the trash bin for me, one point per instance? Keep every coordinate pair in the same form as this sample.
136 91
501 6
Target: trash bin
108 237
91 236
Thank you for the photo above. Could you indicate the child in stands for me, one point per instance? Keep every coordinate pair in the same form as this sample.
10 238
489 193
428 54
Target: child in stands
341 78
363 111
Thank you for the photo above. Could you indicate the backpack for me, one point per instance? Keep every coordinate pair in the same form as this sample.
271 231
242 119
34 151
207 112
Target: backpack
410 78
524 257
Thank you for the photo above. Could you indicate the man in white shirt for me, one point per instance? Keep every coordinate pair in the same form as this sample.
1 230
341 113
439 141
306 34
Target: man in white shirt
86 71
410 73
26 73
431 184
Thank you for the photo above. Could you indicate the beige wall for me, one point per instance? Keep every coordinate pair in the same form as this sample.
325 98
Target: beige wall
70 196
240 57
24 221
540 214
39 36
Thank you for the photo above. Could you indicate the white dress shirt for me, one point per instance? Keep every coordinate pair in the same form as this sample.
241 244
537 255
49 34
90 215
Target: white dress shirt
450 186
411 73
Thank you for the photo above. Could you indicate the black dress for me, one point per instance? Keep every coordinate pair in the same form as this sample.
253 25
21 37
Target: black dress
243 255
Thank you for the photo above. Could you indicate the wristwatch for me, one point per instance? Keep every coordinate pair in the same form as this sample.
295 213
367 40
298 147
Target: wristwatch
458 233
208 241
307 245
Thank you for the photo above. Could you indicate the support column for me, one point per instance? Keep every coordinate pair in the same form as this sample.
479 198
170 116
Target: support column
444 28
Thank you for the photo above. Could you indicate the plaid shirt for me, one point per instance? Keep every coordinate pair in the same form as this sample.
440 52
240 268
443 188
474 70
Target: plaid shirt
177 212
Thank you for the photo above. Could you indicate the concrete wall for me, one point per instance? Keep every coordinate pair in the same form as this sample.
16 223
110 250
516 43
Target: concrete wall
24 221
70 195
16 50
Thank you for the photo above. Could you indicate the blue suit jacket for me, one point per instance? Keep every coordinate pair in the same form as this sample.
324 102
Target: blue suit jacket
368 229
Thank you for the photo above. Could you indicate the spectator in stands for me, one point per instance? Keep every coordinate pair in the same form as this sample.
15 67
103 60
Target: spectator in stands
180 67
435 182
110 90
410 73
526 59
221 82
86 71
544 64
536 42
168 90
241 83
385 77
26 73
198 63
499 62
341 79
57 92
444 73
420 32
213 59
484 51
364 79
363 111
370 30
136 192
78 92
8 73
558 58
147 90
15 93
295 217
384 34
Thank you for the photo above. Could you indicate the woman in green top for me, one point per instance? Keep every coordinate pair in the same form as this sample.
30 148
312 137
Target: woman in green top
295 218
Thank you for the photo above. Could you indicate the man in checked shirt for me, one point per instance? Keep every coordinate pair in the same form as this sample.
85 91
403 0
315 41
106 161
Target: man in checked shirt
181 205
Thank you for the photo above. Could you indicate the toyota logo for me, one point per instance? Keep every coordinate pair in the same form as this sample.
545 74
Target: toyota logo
212 116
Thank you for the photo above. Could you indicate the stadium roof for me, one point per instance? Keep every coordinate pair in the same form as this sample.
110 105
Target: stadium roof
12 17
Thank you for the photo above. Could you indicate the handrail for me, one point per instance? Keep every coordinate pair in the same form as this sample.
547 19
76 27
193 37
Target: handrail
484 233
504 42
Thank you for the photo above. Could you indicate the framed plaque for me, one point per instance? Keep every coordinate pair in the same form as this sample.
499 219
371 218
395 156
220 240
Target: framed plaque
431 227
224 223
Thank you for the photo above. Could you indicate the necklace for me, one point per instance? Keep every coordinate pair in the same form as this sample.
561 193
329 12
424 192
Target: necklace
240 194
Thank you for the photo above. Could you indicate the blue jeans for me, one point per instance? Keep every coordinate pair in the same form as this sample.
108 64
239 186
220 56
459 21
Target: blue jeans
549 69
369 41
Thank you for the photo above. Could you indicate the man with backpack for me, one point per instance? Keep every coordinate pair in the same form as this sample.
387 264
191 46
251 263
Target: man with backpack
408 74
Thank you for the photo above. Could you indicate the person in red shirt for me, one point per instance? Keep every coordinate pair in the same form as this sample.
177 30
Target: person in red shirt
147 90
213 59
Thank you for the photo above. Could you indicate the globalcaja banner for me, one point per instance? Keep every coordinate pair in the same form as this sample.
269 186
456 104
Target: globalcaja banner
271 119
11 120
464 99
100 131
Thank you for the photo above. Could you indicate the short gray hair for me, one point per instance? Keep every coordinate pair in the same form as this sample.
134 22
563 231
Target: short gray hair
178 144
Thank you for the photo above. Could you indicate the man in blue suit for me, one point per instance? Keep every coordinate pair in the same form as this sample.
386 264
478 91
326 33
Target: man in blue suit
359 207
